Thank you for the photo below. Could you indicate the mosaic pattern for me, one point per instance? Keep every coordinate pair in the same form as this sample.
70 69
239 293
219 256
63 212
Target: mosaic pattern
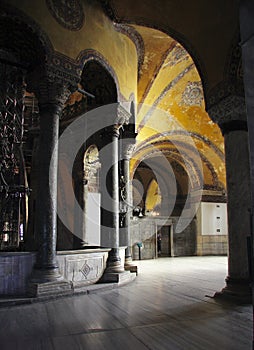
177 55
193 94
162 95
193 167
69 14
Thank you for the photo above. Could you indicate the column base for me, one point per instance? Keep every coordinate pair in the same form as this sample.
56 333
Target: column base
48 282
236 290
46 274
128 266
115 272
119 278
49 289
114 264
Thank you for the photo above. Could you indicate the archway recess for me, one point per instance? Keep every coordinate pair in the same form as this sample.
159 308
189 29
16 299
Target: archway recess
176 136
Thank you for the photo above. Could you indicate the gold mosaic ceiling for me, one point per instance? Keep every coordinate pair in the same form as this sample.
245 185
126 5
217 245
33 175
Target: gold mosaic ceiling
171 108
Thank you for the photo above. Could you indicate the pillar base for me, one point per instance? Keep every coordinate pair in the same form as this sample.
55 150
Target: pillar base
45 274
236 290
114 267
49 289
48 282
128 266
119 278
114 264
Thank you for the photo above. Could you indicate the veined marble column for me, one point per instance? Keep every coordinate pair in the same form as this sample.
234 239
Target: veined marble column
110 200
239 204
109 180
247 46
46 278
234 128
126 194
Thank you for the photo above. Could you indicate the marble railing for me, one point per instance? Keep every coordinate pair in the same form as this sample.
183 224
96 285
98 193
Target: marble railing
82 267
79 267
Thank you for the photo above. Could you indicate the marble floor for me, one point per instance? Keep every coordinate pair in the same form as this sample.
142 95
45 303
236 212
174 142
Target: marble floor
168 306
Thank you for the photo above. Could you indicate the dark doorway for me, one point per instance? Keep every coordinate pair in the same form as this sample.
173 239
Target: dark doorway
166 241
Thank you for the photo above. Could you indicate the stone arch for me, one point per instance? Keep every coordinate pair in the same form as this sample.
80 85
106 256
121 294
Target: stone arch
179 37
92 56
22 36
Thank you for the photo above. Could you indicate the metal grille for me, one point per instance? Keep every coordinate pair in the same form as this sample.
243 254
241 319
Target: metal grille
13 188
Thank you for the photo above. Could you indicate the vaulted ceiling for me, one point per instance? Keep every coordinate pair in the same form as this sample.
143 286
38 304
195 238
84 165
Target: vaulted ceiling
208 30
187 51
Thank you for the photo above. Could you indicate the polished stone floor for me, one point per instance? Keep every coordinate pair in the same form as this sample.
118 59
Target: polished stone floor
168 306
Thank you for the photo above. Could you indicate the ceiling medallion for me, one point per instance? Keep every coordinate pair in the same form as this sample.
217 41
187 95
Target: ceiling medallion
193 94
68 13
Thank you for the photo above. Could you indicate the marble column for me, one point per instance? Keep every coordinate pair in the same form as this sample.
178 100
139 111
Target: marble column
231 117
247 46
51 98
126 198
109 189
239 204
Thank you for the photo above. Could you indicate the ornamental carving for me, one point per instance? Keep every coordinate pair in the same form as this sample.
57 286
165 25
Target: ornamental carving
69 14
123 116
229 109
86 269
193 94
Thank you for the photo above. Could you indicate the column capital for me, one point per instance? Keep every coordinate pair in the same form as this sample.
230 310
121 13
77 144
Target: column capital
230 114
53 82
122 116
230 108
128 149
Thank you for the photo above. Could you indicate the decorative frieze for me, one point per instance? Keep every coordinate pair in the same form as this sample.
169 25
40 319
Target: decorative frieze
62 68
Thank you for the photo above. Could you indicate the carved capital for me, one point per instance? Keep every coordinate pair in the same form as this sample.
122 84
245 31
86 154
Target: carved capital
122 117
128 149
230 108
54 81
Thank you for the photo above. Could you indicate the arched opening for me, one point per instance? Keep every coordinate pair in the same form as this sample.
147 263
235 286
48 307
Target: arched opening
97 89
173 125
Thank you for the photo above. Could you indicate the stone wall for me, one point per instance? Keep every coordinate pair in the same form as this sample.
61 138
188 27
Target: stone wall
189 242
185 242
145 230
15 269
208 241
212 245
